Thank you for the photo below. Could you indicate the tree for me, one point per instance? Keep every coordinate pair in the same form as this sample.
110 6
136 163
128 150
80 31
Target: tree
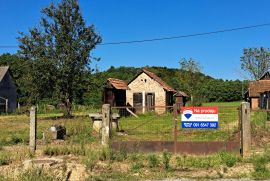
255 61
190 77
60 50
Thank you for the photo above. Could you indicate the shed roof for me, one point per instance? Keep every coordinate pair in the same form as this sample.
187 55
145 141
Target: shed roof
156 78
257 87
265 76
117 83
3 71
180 94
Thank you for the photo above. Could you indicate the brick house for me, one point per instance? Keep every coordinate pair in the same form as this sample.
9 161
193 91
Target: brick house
258 93
147 92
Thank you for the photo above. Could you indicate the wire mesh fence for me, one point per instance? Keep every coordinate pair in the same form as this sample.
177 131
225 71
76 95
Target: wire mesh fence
159 126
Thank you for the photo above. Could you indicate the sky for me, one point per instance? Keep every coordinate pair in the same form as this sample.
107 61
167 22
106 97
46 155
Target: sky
122 20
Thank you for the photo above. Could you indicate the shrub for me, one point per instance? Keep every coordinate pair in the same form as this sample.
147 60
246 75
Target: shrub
166 157
153 161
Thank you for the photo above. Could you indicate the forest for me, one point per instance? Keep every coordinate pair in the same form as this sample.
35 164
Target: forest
33 87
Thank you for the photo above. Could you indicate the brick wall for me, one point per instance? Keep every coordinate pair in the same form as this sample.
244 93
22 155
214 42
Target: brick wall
144 84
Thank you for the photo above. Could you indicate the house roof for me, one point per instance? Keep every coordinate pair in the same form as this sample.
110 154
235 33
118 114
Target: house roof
3 71
257 87
180 94
265 76
117 83
156 78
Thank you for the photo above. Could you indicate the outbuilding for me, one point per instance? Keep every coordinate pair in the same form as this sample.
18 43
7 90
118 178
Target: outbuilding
258 93
8 91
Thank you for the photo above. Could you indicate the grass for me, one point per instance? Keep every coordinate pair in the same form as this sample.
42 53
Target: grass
4 158
260 166
222 104
156 127
15 129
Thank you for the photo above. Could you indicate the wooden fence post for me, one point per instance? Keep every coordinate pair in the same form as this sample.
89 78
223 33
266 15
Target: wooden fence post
106 124
175 127
33 128
245 129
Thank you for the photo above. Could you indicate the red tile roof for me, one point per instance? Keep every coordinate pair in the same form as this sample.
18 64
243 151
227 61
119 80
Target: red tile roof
118 84
257 87
157 79
180 93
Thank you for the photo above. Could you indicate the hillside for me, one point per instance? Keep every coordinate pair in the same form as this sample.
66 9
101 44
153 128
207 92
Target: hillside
210 89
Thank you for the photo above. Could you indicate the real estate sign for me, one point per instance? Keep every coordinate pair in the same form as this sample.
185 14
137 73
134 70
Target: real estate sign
200 117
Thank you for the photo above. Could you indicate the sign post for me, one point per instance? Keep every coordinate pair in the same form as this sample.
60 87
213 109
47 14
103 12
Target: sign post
200 117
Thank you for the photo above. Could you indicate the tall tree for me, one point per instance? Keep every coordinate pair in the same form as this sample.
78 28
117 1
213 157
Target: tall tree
190 71
60 49
255 61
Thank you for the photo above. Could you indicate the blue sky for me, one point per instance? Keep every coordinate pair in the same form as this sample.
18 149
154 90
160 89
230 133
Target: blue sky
122 20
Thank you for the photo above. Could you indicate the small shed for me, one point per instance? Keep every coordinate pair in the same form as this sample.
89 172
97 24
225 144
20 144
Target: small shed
8 91
115 92
181 98
258 92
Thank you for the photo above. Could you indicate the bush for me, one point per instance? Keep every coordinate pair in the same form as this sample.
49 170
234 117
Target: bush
153 161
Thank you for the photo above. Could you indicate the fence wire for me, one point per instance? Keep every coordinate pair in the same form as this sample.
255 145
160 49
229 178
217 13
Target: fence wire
159 126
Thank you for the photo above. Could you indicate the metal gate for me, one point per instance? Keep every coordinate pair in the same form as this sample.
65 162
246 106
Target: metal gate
153 132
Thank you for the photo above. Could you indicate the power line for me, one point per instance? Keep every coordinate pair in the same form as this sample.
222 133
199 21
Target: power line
186 36
170 37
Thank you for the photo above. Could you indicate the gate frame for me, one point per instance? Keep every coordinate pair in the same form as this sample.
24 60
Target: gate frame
240 146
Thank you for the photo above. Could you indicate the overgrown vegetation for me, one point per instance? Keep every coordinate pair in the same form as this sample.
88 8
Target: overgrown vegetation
37 174
260 166
4 158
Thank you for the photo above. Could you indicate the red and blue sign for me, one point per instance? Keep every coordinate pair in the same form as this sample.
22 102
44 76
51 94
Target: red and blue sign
200 117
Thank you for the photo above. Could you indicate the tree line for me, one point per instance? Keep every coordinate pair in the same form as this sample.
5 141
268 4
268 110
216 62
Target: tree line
90 87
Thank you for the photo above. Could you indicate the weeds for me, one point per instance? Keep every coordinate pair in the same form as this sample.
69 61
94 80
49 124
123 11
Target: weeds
198 162
91 160
36 174
137 165
166 157
4 159
260 166
64 150
153 161
228 159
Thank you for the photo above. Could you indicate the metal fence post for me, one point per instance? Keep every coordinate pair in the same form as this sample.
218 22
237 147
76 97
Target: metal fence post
175 127
106 124
33 128
245 129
